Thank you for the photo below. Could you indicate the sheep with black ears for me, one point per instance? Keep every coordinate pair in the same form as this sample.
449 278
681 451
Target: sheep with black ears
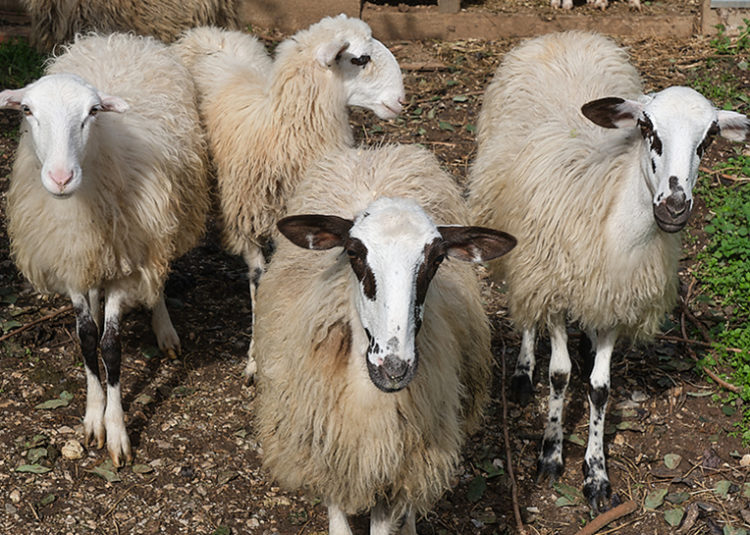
58 21
597 211
267 123
109 184
343 410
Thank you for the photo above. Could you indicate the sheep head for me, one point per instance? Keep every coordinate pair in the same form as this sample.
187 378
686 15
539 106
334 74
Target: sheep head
59 110
677 124
394 250
371 75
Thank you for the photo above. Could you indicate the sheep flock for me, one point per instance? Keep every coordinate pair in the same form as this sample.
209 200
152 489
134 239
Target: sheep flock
371 348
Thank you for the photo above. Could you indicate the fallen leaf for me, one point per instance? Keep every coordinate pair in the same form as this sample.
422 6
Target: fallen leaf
677 497
226 476
674 516
445 125
571 494
141 469
476 489
33 468
106 471
460 98
576 439
34 454
62 401
48 499
672 460
722 488
222 530
655 498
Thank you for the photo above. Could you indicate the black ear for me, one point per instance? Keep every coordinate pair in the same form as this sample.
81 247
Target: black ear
476 244
315 231
613 112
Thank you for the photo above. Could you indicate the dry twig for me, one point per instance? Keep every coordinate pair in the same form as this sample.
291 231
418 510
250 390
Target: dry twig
610 516
508 456
48 317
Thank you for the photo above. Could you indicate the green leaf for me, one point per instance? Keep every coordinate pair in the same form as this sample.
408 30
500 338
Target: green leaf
460 98
48 499
106 471
674 516
677 497
672 460
445 125
144 399
150 352
222 530
476 489
33 469
746 490
62 401
471 128
576 439
489 468
142 469
564 501
569 492
34 454
729 410
655 498
722 488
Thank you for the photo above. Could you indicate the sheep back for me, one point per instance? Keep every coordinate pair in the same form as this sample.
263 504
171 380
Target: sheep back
144 199
553 179
58 21
323 425
266 122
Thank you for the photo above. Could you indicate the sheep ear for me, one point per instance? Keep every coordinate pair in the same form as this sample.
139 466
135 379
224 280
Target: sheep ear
315 231
328 53
110 103
734 126
11 98
475 244
613 112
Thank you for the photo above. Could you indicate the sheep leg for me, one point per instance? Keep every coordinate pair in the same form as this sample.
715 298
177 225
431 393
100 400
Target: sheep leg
382 521
565 4
96 306
88 337
550 462
337 522
521 384
596 485
161 324
256 264
118 442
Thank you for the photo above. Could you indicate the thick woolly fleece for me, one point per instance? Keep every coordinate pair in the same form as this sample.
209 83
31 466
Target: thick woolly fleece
144 197
323 425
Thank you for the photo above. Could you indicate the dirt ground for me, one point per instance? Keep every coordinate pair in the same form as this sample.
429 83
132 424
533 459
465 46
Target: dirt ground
197 467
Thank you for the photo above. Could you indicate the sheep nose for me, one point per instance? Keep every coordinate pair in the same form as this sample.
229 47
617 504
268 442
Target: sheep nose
676 203
395 368
61 178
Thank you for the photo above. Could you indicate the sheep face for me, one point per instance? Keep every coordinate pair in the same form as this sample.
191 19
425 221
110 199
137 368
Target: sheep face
60 110
371 76
394 251
677 125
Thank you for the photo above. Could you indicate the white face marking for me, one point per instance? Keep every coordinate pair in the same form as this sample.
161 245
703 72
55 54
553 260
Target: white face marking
377 84
681 118
395 233
58 112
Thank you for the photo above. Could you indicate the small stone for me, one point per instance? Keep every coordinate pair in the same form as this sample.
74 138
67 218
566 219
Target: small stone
745 461
10 509
619 440
72 449
253 523
15 496
638 396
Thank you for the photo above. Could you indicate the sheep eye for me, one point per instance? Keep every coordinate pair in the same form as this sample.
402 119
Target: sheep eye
361 61
94 111
439 260
352 254
26 111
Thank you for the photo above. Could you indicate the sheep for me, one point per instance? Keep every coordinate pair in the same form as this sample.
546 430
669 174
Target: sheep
266 122
57 21
341 410
601 4
112 130
595 179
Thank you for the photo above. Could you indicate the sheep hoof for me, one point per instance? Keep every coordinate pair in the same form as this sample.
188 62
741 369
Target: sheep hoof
598 493
548 469
521 389
171 353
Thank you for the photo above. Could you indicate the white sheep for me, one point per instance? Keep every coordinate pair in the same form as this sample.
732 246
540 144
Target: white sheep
601 4
109 184
596 210
58 21
267 122
342 410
